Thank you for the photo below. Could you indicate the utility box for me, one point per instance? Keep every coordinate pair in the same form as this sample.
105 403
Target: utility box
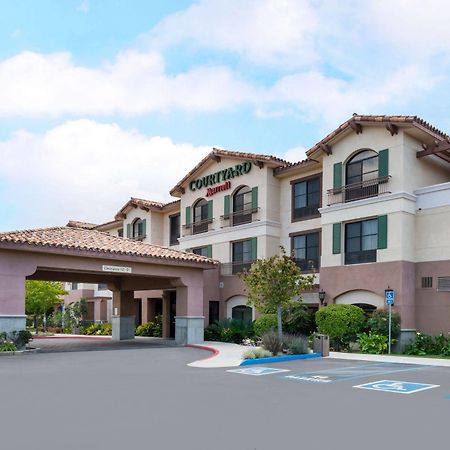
321 344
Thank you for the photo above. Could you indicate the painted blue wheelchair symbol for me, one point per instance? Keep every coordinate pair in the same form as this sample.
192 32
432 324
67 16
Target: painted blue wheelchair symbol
399 387
257 371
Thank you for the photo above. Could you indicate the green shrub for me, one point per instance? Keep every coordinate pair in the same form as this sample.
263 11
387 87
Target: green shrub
98 329
8 347
255 353
265 323
229 330
424 344
378 323
295 345
272 343
21 338
299 319
341 322
375 344
152 329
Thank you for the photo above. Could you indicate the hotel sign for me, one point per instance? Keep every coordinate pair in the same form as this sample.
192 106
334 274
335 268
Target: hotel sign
116 269
224 176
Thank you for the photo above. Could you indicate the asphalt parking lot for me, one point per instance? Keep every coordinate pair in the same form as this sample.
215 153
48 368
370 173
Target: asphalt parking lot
147 397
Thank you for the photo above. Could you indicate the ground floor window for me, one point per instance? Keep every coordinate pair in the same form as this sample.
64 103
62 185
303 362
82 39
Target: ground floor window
242 313
213 311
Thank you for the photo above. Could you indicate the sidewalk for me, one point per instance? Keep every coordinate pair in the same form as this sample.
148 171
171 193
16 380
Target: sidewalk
222 355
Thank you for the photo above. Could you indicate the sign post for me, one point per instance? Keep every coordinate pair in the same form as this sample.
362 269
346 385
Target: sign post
389 296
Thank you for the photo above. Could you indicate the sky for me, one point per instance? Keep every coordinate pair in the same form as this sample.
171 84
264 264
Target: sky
104 100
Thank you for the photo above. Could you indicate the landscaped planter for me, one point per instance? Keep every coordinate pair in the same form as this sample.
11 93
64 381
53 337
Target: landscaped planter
274 359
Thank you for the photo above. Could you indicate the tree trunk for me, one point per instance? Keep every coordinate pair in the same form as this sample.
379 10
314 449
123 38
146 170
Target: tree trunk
36 324
45 322
280 325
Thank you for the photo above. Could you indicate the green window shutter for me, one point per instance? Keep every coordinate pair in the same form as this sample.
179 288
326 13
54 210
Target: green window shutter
255 197
337 175
382 232
336 238
188 215
144 227
383 163
128 230
254 249
226 206
209 251
210 209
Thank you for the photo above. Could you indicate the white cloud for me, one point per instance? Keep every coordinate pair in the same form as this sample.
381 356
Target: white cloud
34 84
86 170
295 154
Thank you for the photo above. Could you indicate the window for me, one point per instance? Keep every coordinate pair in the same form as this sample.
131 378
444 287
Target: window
306 199
200 216
427 282
359 171
213 311
444 284
242 313
242 206
361 241
102 286
74 286
120 232
242 255
138 229
201 251
174 229
306 251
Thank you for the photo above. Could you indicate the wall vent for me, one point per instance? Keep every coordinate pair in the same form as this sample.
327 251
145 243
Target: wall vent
444 284
427 282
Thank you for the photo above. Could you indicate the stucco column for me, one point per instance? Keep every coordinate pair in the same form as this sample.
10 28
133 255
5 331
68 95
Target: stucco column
190 321
97 310
123 315
165 315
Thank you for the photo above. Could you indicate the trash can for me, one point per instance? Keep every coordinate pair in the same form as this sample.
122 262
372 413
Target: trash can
321 344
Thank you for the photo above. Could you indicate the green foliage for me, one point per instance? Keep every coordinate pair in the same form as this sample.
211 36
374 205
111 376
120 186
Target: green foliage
8 347
255 353
299 319
378 323
21 338
341 322
375 344
99 329
425 344
42 296
152 329
265 323
295 345
272 283
272 342
229 330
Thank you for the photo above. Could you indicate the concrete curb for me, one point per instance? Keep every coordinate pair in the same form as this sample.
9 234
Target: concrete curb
28 351
74 336
275 359
215 352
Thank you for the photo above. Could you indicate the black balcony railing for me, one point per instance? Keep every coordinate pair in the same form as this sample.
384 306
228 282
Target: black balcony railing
201 226
233 268
239 217
358 191
364 256
307 265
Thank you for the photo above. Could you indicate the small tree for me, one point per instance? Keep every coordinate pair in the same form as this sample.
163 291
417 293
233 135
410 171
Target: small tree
272 284
41 297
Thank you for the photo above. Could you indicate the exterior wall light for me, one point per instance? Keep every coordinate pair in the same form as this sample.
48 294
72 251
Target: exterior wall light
322 294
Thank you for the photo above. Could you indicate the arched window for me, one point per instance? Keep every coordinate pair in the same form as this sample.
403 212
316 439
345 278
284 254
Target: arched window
361 173
242 313
138 231
242 205
200 216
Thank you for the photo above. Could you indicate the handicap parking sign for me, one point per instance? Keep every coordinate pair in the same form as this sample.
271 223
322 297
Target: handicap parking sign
399 387
257 371
389 295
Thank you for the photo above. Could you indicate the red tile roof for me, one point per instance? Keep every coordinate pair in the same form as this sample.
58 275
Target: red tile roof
147 205
71 238
78 224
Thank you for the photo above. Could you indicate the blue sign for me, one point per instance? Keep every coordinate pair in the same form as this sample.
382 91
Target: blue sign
399 387
389 296
258 371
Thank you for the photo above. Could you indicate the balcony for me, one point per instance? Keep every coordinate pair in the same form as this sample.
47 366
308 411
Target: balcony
358 191
307 265
234 268
201 226
239 217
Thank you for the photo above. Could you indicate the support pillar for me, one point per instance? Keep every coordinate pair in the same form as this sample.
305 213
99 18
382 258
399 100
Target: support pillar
166 315
123 319
97 310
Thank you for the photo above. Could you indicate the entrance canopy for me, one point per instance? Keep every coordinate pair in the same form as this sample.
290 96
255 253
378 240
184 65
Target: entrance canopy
90 256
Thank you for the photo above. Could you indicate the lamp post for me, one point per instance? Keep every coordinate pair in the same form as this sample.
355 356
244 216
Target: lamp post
322 294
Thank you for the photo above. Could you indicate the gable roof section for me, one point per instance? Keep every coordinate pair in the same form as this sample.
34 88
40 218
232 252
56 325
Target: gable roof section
392 123
146 205
78 224
70 238
218 153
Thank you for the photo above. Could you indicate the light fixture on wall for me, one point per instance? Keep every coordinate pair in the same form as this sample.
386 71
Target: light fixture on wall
322 294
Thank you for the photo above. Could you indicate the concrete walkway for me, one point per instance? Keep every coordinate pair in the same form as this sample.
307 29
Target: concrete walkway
223 354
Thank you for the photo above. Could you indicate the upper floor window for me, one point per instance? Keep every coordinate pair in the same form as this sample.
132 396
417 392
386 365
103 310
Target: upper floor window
242 205
361 241
174 229
201 251
138 229
120 232
74 286
306 198
306 251
102 286
243 254
361 173
200 216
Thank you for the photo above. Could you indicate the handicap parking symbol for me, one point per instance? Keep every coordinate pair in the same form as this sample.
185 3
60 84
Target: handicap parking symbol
399 387
257 371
